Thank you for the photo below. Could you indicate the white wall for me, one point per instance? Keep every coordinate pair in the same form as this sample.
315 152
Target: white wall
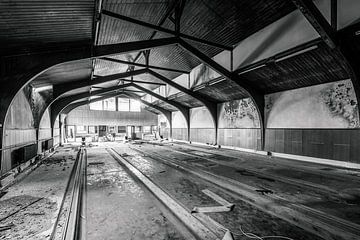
178 120
84 116
19 129
330 105
200 118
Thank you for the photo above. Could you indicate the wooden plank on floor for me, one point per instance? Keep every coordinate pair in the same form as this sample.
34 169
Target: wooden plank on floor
185 216
217 198
211 209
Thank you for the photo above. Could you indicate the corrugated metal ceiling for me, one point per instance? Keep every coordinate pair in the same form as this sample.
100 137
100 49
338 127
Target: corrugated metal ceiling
317 66
24 23
35 23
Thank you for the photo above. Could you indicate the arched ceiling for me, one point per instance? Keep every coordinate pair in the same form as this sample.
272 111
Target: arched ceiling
28 27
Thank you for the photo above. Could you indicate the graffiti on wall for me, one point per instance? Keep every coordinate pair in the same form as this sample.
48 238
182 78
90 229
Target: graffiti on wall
238 114
330 105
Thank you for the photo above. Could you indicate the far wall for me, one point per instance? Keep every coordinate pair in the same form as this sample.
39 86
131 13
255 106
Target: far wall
84 116
318 121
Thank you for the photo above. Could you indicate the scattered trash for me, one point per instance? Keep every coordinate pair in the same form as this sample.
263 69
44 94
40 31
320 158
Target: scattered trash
6 227
2 193
36 213
267 179
162 171
244 172
22 208
96 163
264 191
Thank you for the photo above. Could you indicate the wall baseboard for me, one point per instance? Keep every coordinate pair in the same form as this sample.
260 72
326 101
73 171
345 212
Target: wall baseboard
245 150
323 161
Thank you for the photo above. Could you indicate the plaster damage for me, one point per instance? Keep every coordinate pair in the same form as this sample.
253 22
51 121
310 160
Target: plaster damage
330 105
238 114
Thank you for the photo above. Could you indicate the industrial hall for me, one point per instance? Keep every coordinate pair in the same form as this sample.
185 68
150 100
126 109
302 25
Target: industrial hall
179 120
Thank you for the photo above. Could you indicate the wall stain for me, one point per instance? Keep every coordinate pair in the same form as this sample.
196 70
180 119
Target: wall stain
234 112
341 102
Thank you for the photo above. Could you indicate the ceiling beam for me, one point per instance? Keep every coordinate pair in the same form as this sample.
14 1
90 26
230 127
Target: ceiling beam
166 113
183 109
334 14
144 82
61 103
165 30
78 96
282 55
120 48
211 106
173 103
181 88
318 21
71 106
253 90
134 91
60 89
168 13
144 65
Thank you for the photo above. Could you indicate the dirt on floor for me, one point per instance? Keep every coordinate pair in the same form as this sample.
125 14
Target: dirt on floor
30 207
118 207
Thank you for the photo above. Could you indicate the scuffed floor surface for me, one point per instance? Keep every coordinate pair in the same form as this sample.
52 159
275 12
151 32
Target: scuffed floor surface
30 207
118 208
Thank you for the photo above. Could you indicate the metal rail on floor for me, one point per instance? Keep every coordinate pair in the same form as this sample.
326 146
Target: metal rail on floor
75 221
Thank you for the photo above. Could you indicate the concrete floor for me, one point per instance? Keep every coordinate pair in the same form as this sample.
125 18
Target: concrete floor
40 195
118 207
121 207
324 191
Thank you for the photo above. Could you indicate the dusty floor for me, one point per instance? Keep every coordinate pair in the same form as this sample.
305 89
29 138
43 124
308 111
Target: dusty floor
120 207
329 192
117 207
188 190
31 206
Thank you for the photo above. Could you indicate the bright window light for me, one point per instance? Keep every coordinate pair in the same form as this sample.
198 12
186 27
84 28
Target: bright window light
109 104
96 105
123 104
43 88
135 106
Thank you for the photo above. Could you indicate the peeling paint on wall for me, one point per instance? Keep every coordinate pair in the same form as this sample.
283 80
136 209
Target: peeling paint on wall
162 121
238 114
330 105
341 101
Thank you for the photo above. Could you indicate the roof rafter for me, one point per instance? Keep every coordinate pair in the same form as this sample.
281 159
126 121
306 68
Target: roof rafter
211 106
120 48
183 109
144 65
318 21
166 113
71 106
61 103
60 89
165 30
